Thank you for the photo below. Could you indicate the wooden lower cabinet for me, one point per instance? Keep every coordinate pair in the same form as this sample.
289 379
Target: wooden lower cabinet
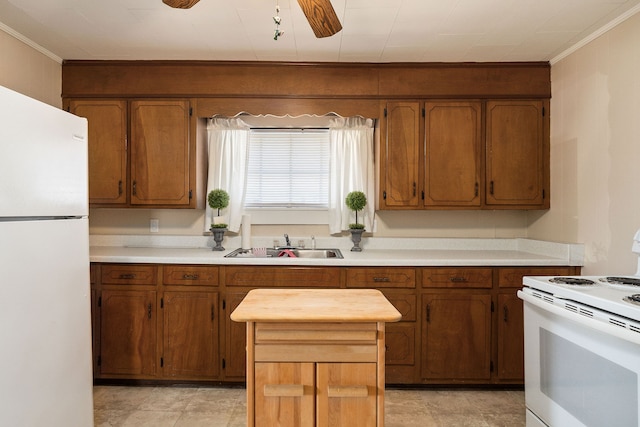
235 354
456 337
190 335
127 334
315 394
510 361
171 322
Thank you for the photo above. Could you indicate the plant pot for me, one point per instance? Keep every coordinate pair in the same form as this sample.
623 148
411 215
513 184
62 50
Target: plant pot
218 235
356 237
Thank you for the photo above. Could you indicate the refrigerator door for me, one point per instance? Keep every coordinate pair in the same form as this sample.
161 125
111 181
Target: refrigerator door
43 159
45 324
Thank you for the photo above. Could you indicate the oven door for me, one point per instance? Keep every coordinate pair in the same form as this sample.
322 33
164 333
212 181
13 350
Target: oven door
578 372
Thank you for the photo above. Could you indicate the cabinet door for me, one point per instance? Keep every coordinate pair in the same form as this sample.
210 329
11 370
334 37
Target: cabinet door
107 123
160 173
346 395
190 334
284 394
510 337
127 333
401 156
456 336
235 358
516 166
453 134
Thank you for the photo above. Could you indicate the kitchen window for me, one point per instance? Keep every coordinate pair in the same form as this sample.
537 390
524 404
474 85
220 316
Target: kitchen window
288 168
291 173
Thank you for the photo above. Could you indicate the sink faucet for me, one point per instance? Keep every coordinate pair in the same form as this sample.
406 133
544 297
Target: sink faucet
286 239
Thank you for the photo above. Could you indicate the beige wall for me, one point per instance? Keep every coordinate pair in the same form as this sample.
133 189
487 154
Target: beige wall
595 151
29 71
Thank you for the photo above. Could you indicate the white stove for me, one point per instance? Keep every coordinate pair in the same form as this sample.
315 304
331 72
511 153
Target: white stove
582 349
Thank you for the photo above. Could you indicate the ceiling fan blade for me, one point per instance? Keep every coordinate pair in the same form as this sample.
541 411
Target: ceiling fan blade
180 4
321 16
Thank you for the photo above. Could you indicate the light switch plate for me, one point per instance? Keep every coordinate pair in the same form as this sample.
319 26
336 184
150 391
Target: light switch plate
154 225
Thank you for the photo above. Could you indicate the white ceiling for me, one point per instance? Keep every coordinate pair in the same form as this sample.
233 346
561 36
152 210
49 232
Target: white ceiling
374 30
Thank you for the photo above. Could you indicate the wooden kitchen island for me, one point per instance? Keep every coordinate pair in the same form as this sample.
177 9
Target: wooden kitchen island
315 357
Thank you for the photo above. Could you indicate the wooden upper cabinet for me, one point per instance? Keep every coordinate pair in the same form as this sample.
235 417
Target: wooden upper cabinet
107 123
453 135
517 154
401 156
160 152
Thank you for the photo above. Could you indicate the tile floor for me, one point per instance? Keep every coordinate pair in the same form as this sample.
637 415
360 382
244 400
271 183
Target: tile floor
226 407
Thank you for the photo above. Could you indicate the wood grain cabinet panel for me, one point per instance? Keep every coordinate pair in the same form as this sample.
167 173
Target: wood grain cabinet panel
190 275
160 152
516 155
400 154
380 277
191 340
299 277
128 333
453 135
107 126
456 337
129 274
457 278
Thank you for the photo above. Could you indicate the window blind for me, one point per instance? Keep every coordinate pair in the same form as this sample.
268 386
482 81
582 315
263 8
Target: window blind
288 168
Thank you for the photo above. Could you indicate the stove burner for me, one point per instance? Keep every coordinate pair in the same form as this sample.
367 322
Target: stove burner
633 299
575 281
622 281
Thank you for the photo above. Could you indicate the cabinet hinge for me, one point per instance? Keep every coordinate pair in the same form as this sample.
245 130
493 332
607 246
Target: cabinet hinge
385 111
543 112
224 363
99 360
190 111
491 366
99 301
492 307
224 304
190 194
424 113
161 302
162 362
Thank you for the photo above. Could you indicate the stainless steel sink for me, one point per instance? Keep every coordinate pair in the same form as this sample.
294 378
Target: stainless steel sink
285 253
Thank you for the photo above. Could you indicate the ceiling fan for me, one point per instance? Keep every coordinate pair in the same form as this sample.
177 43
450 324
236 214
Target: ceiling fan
320 13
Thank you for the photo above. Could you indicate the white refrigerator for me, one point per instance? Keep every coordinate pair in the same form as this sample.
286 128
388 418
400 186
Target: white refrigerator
45 303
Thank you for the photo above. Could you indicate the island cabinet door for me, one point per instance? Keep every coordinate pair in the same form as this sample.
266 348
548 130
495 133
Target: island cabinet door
346 395
284 394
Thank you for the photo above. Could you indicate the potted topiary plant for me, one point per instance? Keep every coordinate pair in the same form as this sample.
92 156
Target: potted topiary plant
356 201
218 199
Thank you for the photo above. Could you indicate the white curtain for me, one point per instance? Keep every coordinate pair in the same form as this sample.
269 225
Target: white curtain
352 169
228 155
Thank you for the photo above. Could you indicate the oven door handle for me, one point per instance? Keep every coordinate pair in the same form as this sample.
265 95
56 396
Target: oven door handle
617 331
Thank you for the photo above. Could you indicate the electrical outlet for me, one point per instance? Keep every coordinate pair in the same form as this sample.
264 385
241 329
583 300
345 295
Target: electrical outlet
154 225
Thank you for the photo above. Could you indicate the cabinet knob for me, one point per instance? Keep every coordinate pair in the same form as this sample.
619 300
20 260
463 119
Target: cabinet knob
458 279
381 279
348 391
187 276
283 390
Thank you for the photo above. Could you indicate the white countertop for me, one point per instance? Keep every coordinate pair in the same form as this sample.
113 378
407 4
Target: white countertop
376 252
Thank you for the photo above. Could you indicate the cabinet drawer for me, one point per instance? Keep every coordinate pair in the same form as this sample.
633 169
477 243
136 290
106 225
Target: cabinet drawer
301 277
381 278
360 333
457 278
316 342
193 275
128 274
512 277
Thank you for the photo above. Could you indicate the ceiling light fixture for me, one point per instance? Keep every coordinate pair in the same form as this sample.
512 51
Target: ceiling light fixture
277 20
